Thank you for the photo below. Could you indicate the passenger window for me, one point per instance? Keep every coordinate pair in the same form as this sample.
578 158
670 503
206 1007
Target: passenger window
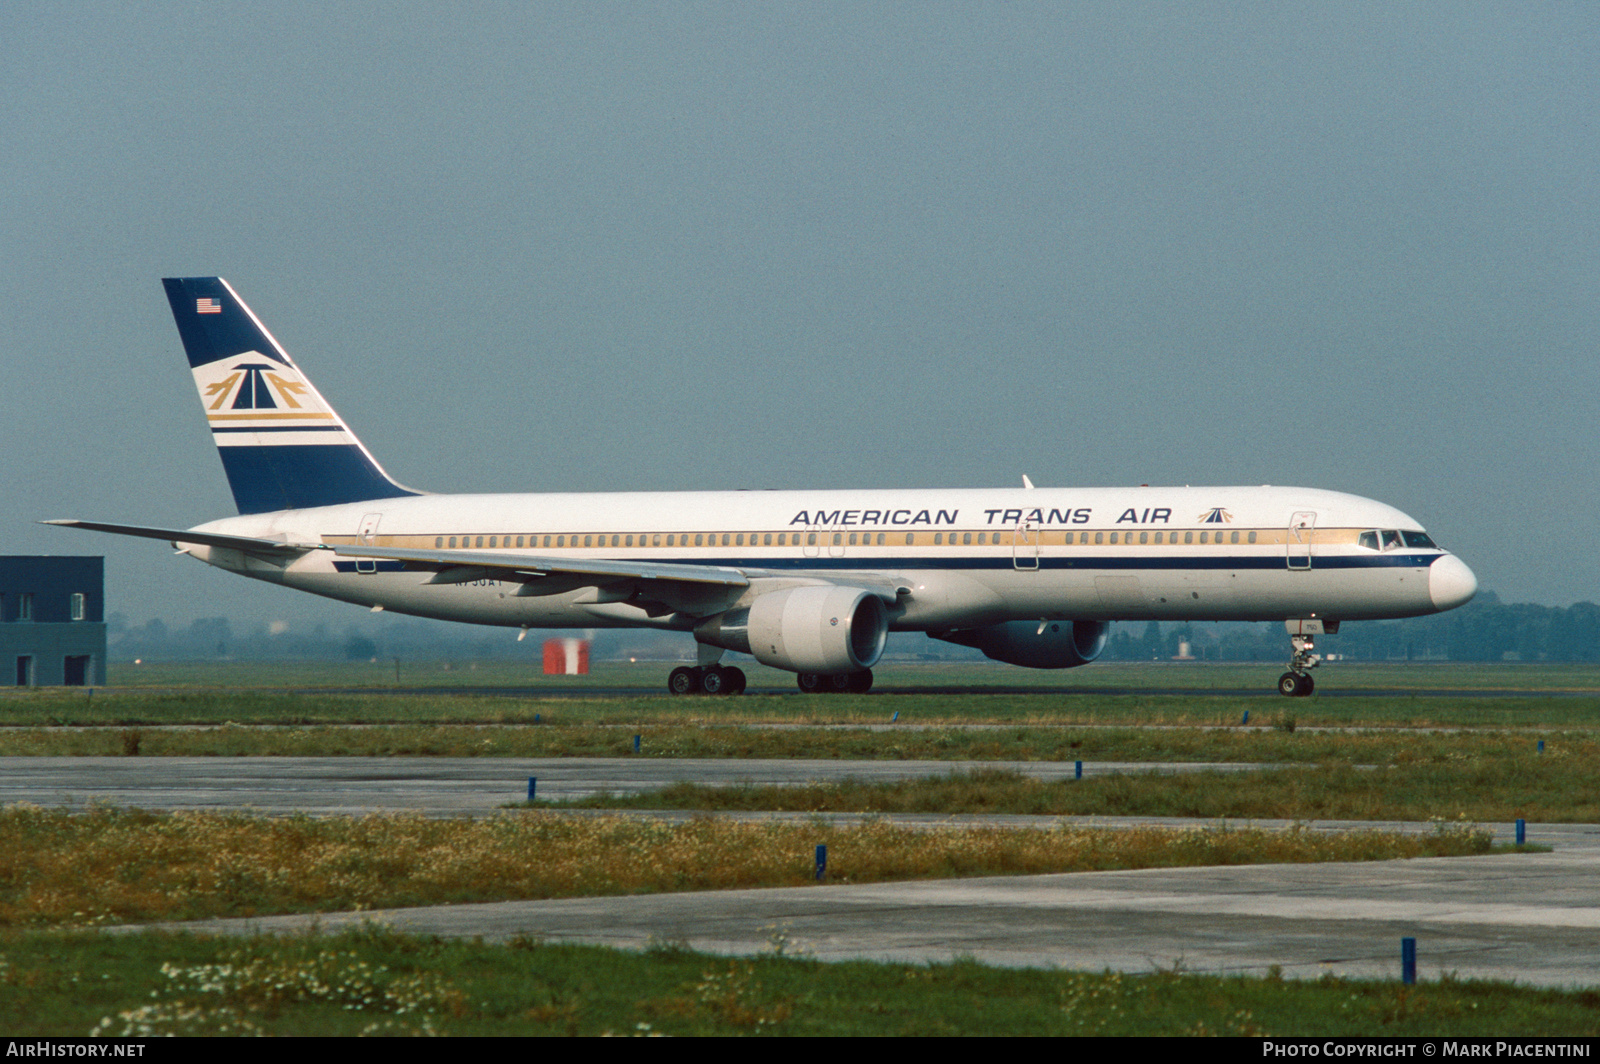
880 539
1144 537
766 539
1188 537
911 538
438 541
1114 539
1252 537
492 540
1099 538
561 541
938 539
852 539
669 541
547 541
655 540
966 539
1205 537
811 539
838 539
982 538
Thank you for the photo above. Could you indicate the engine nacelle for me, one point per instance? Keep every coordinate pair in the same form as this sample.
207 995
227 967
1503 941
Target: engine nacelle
1062 644
823 628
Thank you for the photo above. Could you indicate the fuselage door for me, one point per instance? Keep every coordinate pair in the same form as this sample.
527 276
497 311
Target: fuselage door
1025 546
1301 528
814 534
366 536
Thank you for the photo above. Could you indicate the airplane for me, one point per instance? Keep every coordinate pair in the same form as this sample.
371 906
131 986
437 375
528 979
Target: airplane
808 581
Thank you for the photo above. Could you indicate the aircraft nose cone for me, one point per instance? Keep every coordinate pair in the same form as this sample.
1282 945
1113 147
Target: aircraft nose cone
1450 582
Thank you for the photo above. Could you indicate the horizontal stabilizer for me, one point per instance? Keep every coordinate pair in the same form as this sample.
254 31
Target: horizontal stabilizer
182 535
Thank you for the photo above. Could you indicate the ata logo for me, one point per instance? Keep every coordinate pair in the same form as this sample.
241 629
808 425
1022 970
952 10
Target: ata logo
257 384
1216 516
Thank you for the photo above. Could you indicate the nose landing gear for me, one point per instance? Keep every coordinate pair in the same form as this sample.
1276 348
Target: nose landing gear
1297 682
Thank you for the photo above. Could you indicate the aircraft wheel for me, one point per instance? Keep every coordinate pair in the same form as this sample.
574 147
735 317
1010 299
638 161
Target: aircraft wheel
861 682
735 680
1289 685
838 683
809 682
683 680
714 680
1307 687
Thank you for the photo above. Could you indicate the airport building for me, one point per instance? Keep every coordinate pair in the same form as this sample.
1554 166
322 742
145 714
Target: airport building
52 621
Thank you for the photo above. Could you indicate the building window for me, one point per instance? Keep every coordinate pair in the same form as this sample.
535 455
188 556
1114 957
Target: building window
25 606
78 611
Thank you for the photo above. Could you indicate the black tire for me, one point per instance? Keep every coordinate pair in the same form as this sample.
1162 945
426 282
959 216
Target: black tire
713 680
1306 687
735 685
683 680
861 682
837 684
810 683
1289 685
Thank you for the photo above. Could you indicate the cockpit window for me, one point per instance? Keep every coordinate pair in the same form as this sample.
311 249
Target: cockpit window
1369 540
1391 539
1419 539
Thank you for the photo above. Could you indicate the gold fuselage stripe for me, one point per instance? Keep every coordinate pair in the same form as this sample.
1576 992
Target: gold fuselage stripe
892 540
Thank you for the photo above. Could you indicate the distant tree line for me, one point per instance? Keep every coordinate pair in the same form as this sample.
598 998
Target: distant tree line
1484 630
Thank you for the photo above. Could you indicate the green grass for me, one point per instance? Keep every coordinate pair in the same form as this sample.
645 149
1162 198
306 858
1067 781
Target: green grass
1500 790
113 866
650 676
375 981
421 705
938 743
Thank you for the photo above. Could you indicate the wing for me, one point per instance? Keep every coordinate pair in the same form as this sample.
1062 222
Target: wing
451 567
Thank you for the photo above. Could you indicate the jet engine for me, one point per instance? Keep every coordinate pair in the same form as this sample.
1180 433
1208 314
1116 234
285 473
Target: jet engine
817 628
1058 645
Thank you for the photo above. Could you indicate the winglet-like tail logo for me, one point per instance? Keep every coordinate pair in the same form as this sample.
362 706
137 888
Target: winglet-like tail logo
252 386
1216 516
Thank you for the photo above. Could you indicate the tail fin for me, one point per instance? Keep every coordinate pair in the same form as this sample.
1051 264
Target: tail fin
283 447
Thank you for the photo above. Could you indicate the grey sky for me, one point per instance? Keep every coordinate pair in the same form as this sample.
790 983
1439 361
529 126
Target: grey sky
573 247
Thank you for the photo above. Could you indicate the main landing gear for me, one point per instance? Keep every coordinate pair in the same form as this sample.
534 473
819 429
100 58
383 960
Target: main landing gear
816 683
1297 682
706 680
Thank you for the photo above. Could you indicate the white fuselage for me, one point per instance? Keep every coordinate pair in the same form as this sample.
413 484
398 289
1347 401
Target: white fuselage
969 558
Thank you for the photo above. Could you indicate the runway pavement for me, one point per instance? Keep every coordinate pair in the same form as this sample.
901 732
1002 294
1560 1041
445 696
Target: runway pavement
1530 918
453 786
1534 918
